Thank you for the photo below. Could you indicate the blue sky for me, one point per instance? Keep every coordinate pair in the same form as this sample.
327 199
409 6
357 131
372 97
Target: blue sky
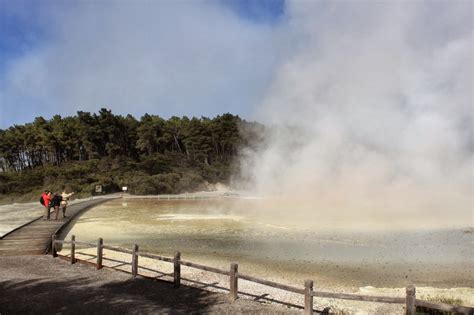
20 29
260 11
166 58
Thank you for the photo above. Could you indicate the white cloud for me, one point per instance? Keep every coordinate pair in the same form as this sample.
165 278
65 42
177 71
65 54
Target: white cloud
167 58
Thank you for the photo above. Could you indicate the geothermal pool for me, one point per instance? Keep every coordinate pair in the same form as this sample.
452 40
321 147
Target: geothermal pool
218 232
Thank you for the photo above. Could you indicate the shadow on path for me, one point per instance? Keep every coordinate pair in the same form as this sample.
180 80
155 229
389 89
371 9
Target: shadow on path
81 296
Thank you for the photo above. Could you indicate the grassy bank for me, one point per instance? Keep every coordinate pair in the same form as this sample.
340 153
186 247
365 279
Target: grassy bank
157 174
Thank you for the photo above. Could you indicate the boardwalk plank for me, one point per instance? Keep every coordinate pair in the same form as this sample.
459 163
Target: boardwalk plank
35 237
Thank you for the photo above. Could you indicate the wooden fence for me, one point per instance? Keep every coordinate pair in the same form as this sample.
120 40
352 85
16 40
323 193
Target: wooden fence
178 197
410 300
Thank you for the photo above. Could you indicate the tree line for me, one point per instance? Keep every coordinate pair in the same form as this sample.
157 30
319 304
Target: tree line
123 149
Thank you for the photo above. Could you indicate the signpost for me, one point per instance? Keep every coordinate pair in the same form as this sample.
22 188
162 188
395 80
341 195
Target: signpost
98 189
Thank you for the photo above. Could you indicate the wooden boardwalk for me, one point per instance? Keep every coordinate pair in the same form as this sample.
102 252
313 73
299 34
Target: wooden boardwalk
35 236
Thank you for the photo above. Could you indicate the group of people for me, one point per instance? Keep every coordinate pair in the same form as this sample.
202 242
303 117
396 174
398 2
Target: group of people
54 200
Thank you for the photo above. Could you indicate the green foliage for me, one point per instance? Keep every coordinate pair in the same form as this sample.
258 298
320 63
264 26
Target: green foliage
150 156
156 164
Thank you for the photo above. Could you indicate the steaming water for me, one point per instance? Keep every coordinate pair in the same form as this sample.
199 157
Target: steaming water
219 232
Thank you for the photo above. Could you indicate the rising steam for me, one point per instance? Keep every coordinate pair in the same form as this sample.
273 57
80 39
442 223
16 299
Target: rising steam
372 118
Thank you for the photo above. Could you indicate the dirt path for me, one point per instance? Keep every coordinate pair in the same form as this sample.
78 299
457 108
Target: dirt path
43 285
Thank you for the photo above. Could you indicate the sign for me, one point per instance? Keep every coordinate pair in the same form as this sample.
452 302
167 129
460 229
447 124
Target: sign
124 188
98 188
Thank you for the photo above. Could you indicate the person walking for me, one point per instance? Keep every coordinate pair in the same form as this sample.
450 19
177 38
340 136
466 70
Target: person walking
56 202
46 201
65 198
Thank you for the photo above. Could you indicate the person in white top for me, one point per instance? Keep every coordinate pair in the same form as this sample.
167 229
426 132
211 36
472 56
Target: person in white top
65 198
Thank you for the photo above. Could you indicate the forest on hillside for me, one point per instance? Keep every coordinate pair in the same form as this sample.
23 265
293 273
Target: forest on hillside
152 155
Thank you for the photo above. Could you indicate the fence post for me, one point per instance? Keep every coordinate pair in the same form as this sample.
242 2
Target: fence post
135 261
234 286
308 297
73 249
411 297
100 242
177 269
53 245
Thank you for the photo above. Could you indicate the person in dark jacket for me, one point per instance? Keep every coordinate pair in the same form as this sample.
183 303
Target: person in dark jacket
56 202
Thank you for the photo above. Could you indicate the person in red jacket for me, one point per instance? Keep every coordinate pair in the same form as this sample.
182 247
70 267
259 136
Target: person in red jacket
46 198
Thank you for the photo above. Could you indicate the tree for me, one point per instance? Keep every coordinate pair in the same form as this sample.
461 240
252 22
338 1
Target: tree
154 154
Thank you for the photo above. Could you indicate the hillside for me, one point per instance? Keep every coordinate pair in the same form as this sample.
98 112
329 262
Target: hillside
150 156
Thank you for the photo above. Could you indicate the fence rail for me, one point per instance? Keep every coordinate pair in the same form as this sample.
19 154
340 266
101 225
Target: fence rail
271 284
153 256
205 268
358 297
445 307
117 249
180 197
410 300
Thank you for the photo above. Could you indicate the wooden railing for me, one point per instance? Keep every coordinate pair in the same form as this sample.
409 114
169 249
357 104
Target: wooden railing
179 197
410 300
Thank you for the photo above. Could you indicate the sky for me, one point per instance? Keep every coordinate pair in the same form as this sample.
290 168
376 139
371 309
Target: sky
195 58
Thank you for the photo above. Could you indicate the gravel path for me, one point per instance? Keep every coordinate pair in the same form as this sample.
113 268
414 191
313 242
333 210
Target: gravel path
43 285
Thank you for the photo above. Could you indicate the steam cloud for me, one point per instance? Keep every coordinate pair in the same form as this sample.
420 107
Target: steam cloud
372 117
